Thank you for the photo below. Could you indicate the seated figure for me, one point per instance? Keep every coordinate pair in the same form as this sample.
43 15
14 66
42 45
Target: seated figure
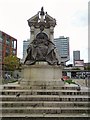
41 49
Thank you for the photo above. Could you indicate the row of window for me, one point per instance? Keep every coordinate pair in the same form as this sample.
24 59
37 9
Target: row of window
13 43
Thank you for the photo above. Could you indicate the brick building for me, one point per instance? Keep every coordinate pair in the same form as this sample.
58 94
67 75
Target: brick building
0 56
9 45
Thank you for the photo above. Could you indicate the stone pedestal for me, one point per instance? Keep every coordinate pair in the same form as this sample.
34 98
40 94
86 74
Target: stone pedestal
41 74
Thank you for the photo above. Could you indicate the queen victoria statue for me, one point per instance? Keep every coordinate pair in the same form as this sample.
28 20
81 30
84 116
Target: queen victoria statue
42 48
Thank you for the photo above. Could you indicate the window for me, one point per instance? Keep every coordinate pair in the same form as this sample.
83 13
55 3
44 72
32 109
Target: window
14 46
14 52
8 40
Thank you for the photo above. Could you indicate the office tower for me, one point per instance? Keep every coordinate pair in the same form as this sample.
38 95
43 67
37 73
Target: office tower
76 56
62 45
25 46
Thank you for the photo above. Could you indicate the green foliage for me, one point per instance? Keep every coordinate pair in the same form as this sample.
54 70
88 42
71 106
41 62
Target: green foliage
87 68
76 69
5 81
11 63
69 82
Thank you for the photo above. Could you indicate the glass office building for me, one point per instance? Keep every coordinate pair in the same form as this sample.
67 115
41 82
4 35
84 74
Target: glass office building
25 46
62 45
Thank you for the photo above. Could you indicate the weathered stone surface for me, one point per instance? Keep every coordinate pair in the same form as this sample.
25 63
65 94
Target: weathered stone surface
52 103
41 74
41 47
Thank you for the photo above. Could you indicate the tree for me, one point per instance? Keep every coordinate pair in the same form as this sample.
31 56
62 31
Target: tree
87 68
11 63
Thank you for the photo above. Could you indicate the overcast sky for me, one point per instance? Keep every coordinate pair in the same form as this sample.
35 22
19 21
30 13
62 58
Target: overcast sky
71 17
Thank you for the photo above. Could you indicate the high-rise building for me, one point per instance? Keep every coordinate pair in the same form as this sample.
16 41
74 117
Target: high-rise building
9 45
25 46
62 45
76 56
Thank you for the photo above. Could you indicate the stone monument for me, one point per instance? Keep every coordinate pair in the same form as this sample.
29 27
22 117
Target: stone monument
42 63
41 95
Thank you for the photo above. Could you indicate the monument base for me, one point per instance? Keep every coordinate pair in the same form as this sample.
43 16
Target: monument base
41 74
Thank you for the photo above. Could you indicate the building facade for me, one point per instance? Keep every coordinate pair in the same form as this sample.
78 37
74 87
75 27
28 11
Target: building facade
0 55
9 45
25 46
76 56
62 44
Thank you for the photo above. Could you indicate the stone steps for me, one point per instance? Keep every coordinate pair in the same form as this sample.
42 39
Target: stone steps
38 87
50 103
43 116
46 110
38 90
44 92
11 87
44 98
43 103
